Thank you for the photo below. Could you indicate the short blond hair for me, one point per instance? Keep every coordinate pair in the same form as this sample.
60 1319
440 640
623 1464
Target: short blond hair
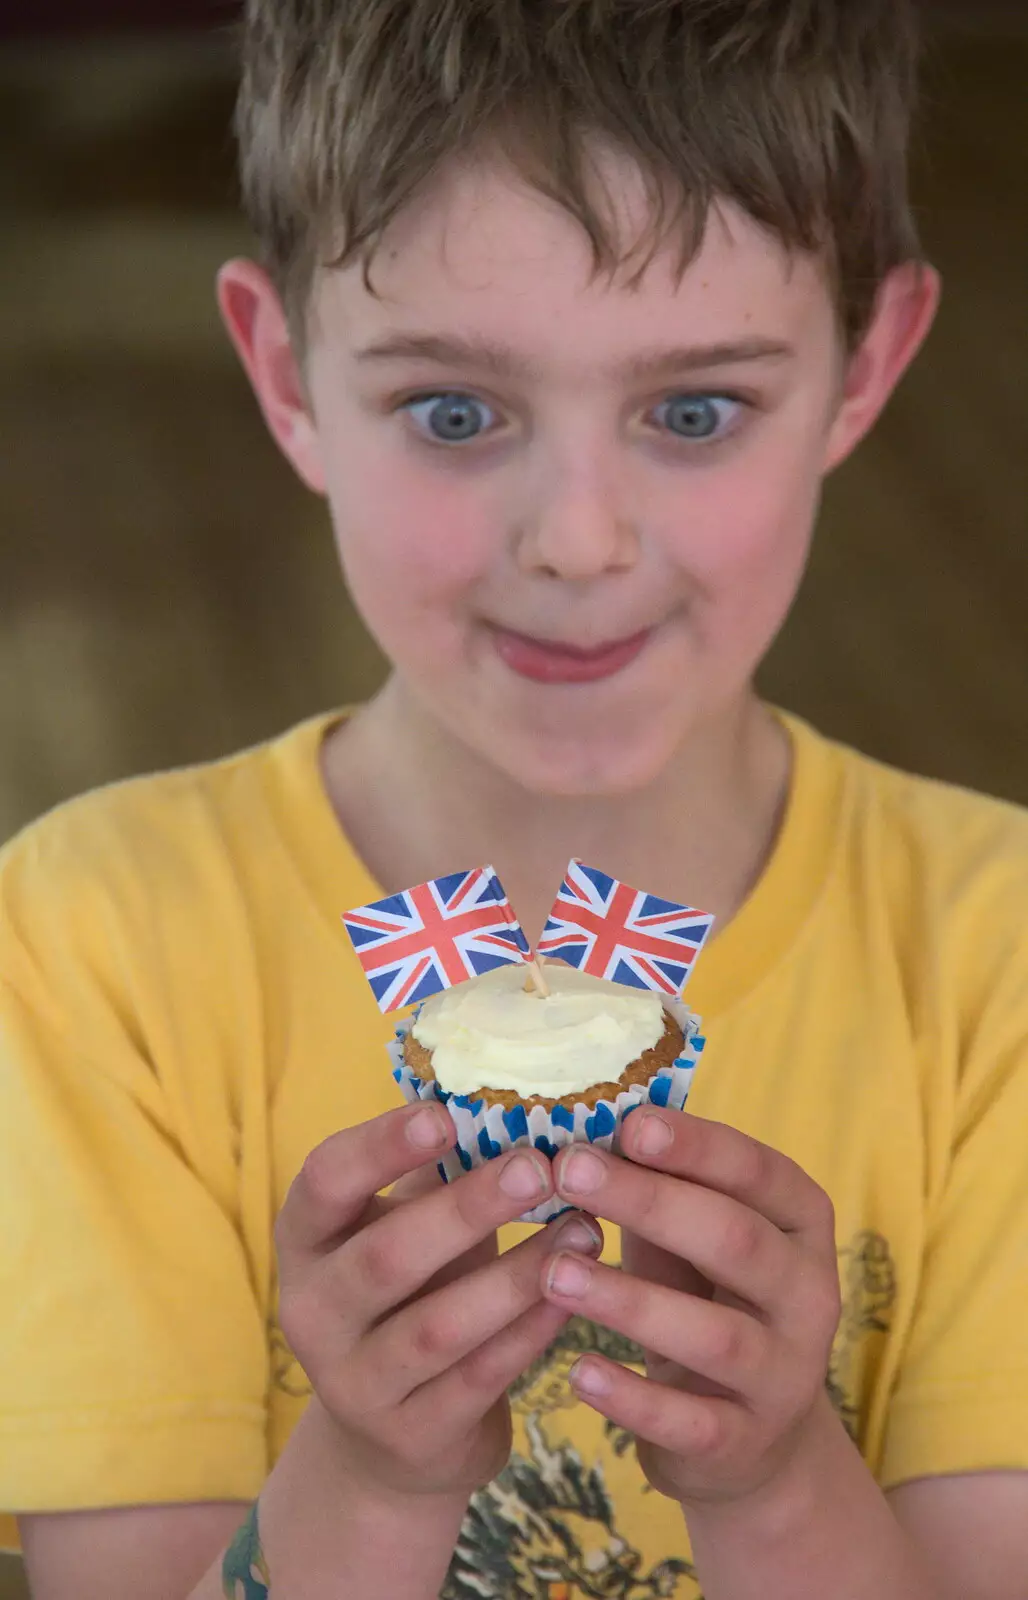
798 111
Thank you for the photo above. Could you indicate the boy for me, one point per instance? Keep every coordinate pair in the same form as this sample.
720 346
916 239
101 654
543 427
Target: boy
638 276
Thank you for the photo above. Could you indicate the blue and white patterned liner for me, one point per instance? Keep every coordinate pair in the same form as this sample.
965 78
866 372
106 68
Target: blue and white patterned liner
485 1131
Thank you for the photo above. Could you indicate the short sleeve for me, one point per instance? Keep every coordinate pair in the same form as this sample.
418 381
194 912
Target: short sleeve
133 1353
961 1401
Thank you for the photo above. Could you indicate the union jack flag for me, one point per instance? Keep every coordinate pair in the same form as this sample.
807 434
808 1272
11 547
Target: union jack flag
602 926
414 944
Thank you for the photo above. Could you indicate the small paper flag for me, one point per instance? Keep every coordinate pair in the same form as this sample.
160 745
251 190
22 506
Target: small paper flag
423 940
601 926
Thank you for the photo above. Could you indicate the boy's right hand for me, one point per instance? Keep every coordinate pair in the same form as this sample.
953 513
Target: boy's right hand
408 1324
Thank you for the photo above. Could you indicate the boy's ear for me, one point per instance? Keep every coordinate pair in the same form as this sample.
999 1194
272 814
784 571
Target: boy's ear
904 312
253 313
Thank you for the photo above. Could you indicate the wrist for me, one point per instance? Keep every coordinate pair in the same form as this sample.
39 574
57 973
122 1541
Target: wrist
327 1527
820 1525
370 1497
790 1495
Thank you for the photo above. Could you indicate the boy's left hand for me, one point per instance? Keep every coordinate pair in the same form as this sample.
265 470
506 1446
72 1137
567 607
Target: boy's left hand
729 1282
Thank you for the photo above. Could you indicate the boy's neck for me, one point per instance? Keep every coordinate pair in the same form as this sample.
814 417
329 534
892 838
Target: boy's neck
416 803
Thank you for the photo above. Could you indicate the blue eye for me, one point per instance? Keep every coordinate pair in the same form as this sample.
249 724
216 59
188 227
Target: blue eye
699 416
450 418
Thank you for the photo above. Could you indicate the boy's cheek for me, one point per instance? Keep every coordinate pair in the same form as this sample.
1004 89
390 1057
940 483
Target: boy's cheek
416 537
754 523
745 566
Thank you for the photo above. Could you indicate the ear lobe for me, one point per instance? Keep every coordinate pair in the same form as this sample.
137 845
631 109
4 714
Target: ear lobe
255 319
904 312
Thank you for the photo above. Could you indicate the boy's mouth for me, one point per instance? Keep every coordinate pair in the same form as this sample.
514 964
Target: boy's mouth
545 661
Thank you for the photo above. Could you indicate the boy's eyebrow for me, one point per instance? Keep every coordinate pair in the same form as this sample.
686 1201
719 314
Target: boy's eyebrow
455 350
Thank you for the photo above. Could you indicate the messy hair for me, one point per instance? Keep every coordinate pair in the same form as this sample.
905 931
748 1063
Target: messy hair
796 110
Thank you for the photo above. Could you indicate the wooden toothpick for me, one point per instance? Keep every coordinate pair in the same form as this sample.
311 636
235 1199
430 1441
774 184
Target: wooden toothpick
535 982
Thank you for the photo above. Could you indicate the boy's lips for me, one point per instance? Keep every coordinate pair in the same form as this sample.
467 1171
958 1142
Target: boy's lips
547 661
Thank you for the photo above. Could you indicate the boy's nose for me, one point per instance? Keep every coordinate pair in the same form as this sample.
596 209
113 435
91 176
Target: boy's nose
579 533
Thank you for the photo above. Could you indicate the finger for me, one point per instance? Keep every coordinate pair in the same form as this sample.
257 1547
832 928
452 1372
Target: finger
649 1261
435 1333
727 1241
463 1265
413 1184
423 1181
396 1255
723 1344
722 1158
691 1426
456 1401
341 1175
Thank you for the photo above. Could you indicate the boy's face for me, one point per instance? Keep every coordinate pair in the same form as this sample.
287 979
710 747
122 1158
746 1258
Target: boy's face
574 549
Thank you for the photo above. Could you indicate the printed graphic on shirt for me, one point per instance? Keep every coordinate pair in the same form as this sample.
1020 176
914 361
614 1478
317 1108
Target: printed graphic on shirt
867 1274
548 1528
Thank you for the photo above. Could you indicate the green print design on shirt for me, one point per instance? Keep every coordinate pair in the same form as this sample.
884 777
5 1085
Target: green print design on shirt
244 1571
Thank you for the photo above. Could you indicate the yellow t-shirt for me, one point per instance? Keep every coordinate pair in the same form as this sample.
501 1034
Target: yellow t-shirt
182 1019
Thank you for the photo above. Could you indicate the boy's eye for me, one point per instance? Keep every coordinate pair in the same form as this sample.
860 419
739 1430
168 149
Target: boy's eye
450 418
699 416
456 418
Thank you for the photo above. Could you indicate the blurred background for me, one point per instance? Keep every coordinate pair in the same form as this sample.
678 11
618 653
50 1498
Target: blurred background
169 592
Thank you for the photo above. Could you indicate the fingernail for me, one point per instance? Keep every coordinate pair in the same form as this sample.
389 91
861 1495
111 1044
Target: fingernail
523 1178
427 1130
652 1134
569 1275
582 1172
588 1378
578 1235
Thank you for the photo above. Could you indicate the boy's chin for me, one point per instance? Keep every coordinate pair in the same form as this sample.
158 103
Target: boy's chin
614 762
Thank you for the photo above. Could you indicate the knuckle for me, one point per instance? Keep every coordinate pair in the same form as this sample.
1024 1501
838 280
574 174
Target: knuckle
755 1162
729 1344
707 1432
742 1238
436 1335
319 1176
379 1259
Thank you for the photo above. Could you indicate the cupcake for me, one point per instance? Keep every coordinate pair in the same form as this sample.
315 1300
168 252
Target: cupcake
514 1067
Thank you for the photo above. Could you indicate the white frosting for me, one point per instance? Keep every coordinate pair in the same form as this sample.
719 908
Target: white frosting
489 1033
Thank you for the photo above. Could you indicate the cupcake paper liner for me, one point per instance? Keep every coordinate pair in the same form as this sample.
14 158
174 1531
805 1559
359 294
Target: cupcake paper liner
485 1131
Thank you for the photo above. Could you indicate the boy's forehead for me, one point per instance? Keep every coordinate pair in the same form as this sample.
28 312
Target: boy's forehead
483 252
